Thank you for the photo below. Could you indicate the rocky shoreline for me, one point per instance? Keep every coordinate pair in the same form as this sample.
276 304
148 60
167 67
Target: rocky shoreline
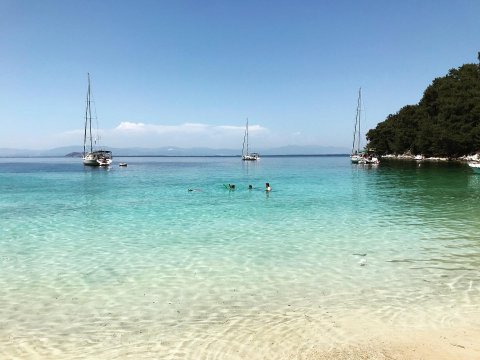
464 158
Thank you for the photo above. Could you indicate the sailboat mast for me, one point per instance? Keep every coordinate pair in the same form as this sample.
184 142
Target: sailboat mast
85 127
89 113
244 140
359 106
356 133
87 107
246 132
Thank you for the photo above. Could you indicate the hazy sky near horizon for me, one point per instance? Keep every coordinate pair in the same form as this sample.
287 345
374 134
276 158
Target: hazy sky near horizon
189 73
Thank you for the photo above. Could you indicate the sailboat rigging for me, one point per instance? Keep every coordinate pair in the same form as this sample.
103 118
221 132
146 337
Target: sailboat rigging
246 156
92 157
361 156
356 156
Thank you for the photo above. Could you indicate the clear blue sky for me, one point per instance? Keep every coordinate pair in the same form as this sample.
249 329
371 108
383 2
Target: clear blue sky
188 73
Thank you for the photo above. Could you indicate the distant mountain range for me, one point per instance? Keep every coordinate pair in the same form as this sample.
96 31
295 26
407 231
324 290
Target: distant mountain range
175 151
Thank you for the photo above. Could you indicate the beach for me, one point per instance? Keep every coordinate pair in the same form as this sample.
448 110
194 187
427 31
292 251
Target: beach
442 345
309 340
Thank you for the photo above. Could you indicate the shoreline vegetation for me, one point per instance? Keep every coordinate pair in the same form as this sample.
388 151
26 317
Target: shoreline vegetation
445 124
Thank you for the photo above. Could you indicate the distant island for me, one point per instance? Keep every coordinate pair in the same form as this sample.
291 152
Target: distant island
76 151
445 123
74 154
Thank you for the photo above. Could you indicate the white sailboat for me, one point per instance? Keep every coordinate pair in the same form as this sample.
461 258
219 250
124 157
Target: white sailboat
356 156
92 157
361 156
246 156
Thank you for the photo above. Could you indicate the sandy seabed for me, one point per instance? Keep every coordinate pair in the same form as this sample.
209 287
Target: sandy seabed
356 342
420 346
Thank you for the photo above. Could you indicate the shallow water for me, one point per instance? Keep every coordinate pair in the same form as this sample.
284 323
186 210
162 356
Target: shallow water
126 262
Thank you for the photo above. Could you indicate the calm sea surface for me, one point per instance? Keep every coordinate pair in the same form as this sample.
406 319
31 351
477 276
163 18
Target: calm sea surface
127 263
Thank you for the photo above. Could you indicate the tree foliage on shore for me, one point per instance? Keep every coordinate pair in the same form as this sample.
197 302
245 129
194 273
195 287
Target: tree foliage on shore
446 121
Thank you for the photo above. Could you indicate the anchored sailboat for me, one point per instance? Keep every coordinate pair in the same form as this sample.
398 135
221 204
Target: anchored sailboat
92 157
356 156
246 156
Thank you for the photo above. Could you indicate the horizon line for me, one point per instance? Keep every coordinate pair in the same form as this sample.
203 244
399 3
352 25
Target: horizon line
175 156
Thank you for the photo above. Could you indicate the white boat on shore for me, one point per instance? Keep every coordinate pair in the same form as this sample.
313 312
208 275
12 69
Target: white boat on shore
475 166
93 157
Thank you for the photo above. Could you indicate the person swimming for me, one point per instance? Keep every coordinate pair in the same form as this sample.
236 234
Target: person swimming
268 187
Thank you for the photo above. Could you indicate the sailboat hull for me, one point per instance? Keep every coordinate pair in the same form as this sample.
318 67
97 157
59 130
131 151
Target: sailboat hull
355 159
98 158
90 162
250 157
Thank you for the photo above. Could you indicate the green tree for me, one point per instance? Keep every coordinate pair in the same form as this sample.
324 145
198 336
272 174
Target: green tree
446 121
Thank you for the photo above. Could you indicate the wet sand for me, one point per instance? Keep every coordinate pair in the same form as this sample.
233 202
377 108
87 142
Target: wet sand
441 344
424 345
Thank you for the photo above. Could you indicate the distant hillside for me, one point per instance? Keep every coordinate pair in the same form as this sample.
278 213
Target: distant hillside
446 121
74 154
75 151
305 150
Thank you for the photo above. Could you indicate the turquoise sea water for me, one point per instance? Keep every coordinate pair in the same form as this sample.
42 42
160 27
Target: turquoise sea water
127 263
